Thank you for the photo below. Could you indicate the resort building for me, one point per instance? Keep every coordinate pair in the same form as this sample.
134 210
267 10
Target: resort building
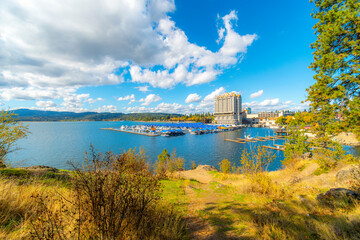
228 109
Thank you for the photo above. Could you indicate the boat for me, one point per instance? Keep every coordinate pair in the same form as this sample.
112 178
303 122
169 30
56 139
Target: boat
194 132
248 137
165 133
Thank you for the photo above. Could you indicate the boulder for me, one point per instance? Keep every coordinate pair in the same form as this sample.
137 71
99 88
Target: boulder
42 168
206 168
338 196
348 176
306 155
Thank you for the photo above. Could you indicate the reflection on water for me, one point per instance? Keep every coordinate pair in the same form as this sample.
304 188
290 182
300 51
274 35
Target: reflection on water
56 143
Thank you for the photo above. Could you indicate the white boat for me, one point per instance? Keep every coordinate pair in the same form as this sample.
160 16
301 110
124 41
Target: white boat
248 137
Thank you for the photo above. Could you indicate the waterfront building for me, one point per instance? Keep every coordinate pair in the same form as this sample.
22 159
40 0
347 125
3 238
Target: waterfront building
286 113
228 109
268 114
247 110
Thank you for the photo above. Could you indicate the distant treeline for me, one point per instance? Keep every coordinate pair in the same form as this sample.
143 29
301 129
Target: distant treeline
38 115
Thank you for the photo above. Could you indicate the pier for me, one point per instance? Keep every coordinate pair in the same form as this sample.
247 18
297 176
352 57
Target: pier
275 148
134 132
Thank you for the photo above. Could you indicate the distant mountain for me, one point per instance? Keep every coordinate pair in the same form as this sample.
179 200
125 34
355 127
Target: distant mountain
38 115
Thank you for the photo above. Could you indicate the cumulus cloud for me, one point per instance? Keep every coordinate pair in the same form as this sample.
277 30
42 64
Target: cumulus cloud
150 99
143 88
163 108
189 63
107 108
45 104
130 98
272 104
194 97
257 94
33 93
208 102
61 44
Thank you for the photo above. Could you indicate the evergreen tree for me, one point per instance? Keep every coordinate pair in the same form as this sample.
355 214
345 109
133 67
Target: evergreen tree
336 92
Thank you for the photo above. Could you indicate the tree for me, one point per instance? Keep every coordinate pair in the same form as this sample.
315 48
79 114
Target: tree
10 132
336 92
281 120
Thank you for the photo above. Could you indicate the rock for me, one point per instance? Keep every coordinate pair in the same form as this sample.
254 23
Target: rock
346 176
206 168
306 155
220 185
42 168
338 195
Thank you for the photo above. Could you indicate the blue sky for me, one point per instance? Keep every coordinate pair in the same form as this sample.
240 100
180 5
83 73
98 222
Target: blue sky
154 55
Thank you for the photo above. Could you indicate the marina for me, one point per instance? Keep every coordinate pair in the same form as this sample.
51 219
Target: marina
173 129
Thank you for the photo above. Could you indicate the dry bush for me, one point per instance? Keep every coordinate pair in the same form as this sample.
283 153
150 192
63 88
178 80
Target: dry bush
254 165
168 163
113 197
225 166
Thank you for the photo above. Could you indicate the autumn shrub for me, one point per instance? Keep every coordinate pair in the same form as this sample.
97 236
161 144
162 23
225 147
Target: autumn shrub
225 166
112 197
254 165
193 165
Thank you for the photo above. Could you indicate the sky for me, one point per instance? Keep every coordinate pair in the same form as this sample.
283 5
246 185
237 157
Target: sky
154 55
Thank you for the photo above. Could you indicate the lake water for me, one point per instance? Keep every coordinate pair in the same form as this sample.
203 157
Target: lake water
55 143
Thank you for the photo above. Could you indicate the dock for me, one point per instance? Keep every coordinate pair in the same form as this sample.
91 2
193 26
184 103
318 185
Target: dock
237 141
134 132
275 148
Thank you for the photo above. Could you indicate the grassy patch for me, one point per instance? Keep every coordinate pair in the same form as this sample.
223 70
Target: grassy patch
173 192
14 172
321 170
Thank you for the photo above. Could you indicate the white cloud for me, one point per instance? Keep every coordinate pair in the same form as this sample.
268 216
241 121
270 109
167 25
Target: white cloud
150 99
34 93
257 94
191 64
128 97
209 101
143 88
164 108
274 104
91 100
45 104
107 108
194 97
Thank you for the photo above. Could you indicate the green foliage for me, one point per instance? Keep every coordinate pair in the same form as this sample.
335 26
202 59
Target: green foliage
281 121
296 144
10 132
328 158
14 172
255 161
175 163
225 166
168 163
336 92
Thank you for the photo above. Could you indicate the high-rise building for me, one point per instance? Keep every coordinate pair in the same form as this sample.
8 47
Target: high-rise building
247 110
228 109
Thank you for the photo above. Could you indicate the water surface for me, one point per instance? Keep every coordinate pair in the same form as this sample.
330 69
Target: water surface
55 143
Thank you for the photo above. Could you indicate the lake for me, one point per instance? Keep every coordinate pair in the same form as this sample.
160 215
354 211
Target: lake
56 143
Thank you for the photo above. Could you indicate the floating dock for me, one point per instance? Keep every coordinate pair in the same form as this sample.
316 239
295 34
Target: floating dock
134 132
237 141
275 148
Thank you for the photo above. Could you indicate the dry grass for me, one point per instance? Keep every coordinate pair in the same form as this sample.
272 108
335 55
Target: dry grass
18 206
276 205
